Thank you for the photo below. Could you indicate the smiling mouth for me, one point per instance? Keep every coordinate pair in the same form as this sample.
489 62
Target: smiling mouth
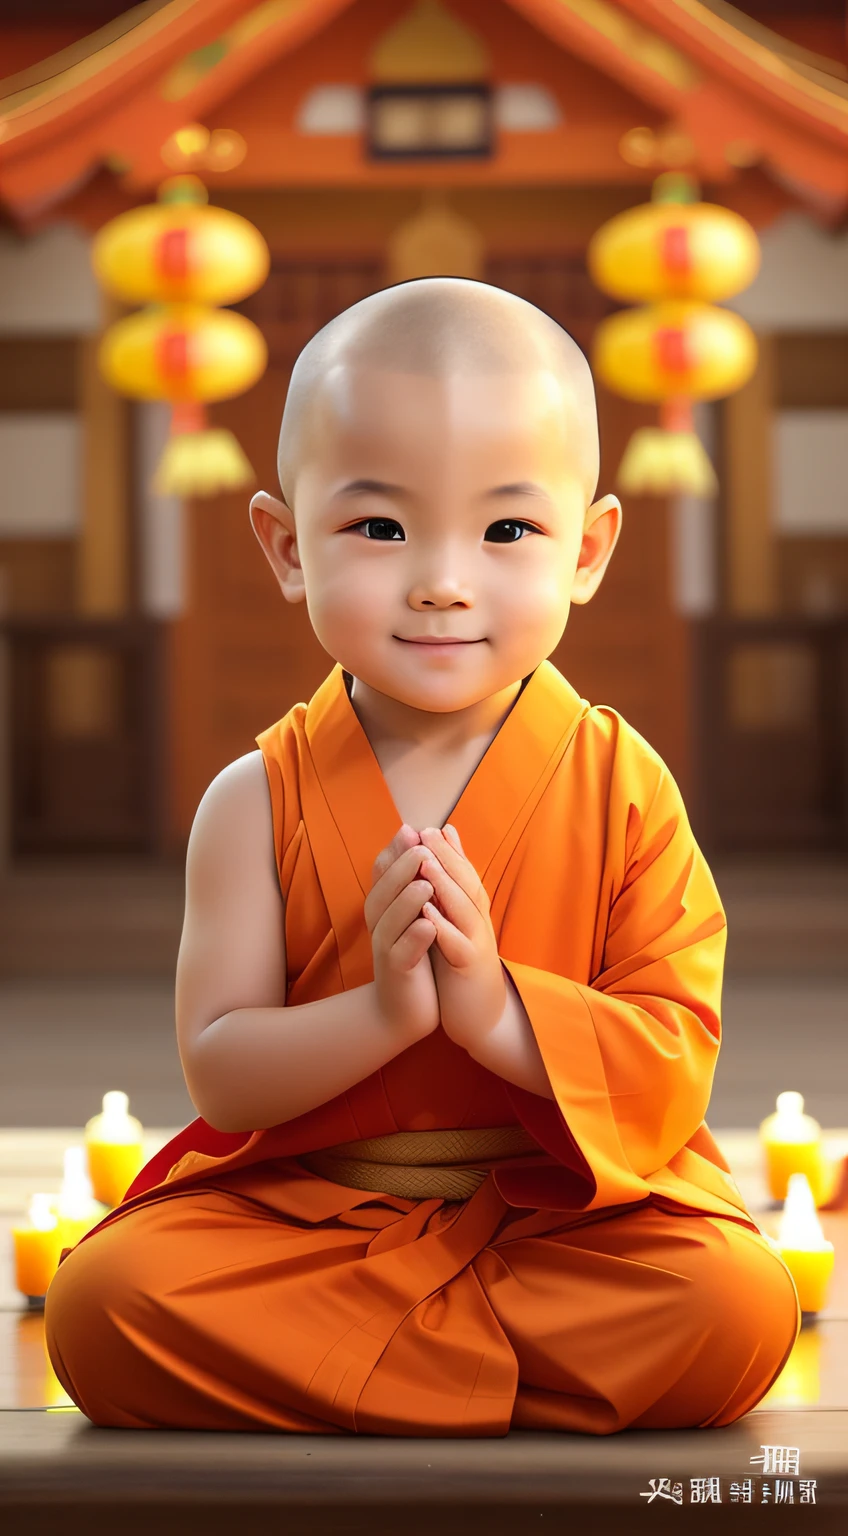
436 643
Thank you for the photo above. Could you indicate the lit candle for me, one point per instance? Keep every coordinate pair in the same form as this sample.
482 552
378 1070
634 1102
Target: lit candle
803 1246
37 1249
76 1209
113 1141
792 1143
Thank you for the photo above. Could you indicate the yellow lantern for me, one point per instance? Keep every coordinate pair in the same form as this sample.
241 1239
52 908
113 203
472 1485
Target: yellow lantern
677 348
183 352
188 257
679 253
180 251
674 250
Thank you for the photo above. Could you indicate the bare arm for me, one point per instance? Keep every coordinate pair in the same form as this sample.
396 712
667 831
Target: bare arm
249 1061
511 1049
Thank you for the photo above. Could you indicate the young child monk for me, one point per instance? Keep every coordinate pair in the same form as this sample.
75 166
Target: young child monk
448 993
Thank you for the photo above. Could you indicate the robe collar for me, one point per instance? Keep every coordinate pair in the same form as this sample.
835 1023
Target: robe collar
358 796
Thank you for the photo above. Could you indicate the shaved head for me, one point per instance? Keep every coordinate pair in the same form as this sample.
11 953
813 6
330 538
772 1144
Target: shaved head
442 326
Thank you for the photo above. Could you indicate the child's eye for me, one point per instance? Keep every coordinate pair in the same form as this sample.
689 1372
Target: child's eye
378 522
384 523
510 522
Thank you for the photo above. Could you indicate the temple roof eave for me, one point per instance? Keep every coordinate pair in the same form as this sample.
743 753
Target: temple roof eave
682 58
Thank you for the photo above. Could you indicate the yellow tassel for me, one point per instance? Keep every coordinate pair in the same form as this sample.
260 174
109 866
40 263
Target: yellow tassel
201 464
661 463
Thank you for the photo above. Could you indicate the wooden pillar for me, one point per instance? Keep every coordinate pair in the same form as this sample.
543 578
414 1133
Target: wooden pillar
5 751
750 550
757 674
103 569
83 684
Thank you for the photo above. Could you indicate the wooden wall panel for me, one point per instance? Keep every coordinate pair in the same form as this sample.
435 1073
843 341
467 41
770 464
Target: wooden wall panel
39 373
37 575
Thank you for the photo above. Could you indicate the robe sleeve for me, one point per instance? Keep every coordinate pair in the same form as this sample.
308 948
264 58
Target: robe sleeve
631 1057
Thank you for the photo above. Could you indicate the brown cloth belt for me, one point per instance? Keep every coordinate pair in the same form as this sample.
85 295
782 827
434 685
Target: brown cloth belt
417 1164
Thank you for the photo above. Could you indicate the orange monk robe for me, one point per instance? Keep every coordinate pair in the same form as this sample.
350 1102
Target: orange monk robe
612 931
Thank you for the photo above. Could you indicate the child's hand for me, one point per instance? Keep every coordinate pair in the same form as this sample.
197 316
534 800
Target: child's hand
400 937
465 961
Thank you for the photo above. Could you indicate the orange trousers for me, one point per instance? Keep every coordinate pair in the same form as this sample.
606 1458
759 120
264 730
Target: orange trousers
236 1304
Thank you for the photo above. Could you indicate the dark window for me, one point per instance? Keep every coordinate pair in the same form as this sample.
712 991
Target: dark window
418 122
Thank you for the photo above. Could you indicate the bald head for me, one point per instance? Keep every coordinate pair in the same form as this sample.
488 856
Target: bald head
441 326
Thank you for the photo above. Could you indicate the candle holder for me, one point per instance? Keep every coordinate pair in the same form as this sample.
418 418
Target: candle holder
791 1143
37 1247
114 1149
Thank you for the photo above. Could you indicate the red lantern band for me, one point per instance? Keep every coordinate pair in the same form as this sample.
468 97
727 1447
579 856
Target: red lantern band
171 255
671 350
676 251
172 358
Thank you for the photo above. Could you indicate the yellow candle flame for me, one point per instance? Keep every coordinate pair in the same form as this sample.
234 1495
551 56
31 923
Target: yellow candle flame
790 1123
800 1228
40 1215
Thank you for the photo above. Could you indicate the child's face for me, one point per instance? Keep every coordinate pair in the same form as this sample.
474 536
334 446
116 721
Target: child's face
434 507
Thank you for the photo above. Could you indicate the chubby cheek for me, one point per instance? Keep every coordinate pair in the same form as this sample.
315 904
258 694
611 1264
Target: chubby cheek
347 603
533 607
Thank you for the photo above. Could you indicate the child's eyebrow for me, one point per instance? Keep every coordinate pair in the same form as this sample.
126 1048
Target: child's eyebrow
520 488
373 487
383 488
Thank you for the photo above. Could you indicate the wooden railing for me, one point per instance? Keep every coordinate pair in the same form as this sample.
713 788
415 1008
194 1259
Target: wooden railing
83 734
771 713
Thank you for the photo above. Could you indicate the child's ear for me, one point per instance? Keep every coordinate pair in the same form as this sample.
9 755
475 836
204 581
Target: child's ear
601 528
273 523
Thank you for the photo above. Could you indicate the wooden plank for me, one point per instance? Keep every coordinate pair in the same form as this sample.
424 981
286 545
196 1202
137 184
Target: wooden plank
750 546
57 1457
811 370
38 373
103 571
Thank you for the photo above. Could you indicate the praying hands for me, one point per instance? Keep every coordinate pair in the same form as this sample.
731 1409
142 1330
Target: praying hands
479 1007
469 976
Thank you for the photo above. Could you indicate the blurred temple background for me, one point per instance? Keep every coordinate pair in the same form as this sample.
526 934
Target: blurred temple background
143 639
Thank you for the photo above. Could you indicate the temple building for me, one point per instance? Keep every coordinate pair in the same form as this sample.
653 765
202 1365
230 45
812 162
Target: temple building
144 640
